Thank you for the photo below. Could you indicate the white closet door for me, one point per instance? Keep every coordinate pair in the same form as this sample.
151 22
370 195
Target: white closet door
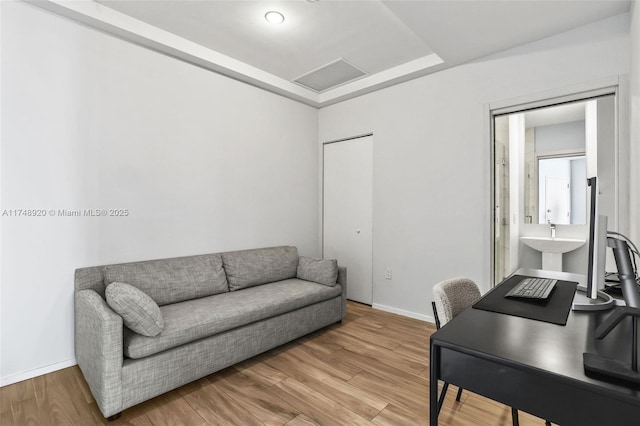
347 212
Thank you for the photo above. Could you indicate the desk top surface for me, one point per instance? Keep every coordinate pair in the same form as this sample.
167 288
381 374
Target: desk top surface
541 347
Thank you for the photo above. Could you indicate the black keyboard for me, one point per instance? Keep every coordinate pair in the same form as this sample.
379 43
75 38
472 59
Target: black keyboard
533 288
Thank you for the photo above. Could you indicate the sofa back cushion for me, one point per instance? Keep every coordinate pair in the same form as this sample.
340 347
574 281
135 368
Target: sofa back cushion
248 268
172 280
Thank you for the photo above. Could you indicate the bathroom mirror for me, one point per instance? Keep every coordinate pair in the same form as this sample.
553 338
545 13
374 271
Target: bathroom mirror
543 155
555 167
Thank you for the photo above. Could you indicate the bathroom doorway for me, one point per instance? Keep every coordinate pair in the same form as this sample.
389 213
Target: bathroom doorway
542 156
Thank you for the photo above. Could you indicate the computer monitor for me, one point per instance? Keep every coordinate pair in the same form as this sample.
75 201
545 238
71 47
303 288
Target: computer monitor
597 241
597 258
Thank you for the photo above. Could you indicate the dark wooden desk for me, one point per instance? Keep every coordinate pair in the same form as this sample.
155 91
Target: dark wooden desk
535 366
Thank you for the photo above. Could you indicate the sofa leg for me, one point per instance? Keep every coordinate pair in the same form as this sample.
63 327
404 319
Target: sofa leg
114 417
339 322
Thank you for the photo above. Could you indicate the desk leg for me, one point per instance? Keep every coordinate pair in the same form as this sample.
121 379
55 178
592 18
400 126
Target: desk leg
434 370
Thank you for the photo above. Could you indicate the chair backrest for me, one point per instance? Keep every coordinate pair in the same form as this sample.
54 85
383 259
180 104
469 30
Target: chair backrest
452 297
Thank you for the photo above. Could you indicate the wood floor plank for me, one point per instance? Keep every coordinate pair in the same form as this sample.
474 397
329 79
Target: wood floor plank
302 420
82 383
6 417
317 406
17 392
305 355
396 331
263 373
217 408
413 398
323 342
26 413
369 349
358 309
385 370
17 401
60 399
360 332
331 339
257 399
360 401
393 415
173 409
468 413
417 351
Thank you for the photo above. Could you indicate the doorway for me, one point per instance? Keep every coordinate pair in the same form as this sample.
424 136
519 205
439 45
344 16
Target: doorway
348 212
543 152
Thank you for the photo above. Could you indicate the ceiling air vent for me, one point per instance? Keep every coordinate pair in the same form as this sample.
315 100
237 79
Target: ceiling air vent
329 76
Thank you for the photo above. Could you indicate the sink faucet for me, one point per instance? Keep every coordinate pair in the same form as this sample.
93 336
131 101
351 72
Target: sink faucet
553 229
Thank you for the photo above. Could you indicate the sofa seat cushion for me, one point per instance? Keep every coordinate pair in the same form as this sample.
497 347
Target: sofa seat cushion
195 319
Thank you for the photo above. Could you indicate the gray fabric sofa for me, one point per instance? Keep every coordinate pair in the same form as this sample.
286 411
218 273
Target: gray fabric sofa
216 310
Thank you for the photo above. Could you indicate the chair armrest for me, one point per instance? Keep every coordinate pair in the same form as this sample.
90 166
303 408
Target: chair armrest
98 347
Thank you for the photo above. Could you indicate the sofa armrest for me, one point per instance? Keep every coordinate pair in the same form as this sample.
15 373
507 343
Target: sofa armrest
98 346
342 280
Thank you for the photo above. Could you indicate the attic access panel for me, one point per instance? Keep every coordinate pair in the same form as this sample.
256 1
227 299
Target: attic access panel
330 76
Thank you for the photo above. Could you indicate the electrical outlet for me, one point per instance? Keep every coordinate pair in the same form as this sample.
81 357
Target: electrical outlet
387 273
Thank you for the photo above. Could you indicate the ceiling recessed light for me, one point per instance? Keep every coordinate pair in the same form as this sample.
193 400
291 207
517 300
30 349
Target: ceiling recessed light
274 17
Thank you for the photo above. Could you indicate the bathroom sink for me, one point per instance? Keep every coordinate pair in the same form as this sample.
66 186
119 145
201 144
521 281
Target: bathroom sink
552 245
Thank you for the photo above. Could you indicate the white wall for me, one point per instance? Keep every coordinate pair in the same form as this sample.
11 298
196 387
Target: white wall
559 137
432 157
202 163
634 187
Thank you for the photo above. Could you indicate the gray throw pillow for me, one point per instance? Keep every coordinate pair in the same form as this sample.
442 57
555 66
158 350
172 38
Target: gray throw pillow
321 271
138 311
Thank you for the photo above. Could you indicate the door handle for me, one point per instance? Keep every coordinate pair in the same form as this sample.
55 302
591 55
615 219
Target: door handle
357 231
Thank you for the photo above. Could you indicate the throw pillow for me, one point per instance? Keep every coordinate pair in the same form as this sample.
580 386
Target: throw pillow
321 271
138 311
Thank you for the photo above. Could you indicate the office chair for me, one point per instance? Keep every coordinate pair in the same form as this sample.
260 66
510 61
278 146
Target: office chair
451 297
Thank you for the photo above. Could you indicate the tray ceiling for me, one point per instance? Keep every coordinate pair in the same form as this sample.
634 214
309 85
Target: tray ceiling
387 41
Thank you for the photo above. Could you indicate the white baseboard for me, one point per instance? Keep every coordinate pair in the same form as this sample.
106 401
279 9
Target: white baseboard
404 313
25 375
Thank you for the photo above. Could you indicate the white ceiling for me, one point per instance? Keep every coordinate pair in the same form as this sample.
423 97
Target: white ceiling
390 40
366 33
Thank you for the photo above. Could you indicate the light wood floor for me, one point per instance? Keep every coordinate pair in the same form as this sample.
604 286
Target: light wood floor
373 369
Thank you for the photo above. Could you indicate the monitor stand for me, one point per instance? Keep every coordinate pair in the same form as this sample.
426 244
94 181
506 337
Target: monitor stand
612 367
604 301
